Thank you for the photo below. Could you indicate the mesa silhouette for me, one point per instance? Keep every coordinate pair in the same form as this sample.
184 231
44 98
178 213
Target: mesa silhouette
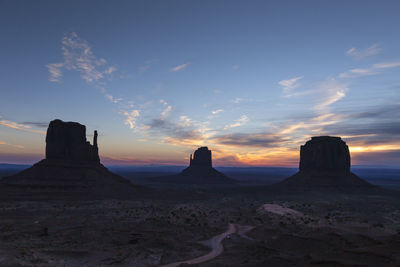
200 171
71 168
325 163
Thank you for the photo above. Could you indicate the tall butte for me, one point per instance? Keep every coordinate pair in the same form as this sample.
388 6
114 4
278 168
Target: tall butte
71 168
200 170
325 163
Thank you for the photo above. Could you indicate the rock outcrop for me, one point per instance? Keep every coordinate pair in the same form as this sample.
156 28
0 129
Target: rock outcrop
71 169
325 163
200 171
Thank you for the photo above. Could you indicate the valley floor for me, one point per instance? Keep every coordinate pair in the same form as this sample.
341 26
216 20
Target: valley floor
292 230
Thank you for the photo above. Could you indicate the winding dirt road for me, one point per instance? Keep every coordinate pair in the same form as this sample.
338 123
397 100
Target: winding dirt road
215 244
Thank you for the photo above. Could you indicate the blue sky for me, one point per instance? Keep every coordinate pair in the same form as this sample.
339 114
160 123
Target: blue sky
252 80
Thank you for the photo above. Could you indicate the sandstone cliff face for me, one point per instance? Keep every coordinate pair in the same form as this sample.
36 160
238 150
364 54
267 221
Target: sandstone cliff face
67 141
325 153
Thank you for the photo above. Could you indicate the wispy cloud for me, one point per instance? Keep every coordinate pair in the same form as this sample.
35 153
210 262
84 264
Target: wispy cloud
214 112
20 127
180 67
373 70
167 109
239 122
367 52
235 67
55 71
147 65
78 56
131 117
386 65
290 84
330 91
237 100
12 145
113 99
38 124
110 70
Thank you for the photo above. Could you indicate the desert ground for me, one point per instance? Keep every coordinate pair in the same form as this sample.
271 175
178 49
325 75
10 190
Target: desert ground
218 227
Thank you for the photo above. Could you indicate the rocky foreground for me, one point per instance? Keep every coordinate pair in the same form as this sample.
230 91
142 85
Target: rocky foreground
291 230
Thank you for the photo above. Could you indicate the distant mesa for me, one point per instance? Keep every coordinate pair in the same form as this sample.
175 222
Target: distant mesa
200 171
325 162
71 168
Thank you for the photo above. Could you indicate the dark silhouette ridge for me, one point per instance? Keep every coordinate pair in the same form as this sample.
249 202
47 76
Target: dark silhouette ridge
200 171
325 163
71 168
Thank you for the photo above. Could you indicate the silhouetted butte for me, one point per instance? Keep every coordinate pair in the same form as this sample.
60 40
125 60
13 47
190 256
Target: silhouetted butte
71 168
325 163
200 171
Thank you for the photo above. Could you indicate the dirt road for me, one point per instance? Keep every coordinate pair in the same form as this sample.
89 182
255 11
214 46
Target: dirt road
214 243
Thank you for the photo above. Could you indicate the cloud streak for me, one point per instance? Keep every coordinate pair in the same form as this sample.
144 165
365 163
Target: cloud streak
290 84
12 145
372 70
364 53
239 122
180 67
20 127
331 91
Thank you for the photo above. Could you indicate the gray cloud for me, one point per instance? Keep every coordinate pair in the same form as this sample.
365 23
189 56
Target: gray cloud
249 140
172 129
378 112
36 124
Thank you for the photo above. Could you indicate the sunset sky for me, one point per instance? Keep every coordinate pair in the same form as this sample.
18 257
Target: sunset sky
252 80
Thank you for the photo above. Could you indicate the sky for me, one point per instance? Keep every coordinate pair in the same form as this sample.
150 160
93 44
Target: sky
252 80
